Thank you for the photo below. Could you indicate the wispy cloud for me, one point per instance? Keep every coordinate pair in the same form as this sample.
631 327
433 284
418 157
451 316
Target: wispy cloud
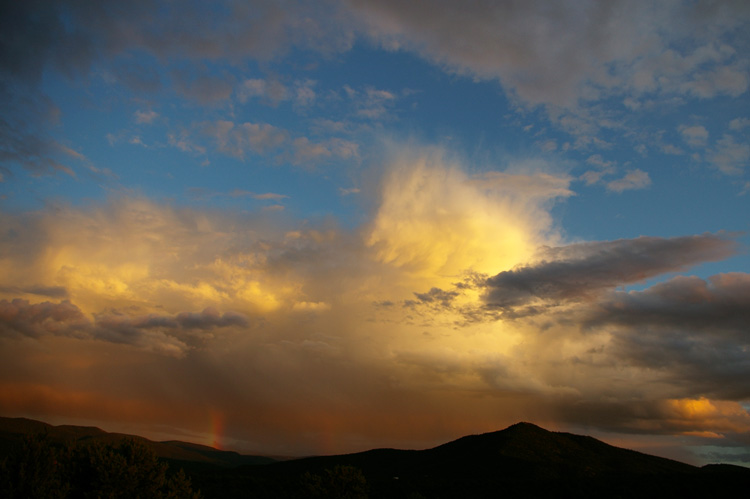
634 179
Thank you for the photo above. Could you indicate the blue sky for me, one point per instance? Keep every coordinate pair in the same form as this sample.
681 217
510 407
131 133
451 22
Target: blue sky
328 226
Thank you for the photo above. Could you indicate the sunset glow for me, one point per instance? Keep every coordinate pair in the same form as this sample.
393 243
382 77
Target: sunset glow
292 228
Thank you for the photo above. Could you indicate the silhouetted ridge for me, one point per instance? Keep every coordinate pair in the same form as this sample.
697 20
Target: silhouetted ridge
12 431
558 453
522 460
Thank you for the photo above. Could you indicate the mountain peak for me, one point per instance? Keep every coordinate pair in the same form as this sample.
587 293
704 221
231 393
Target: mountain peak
525 426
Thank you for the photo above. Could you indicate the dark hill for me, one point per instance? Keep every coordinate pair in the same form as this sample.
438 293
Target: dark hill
12 431
523 460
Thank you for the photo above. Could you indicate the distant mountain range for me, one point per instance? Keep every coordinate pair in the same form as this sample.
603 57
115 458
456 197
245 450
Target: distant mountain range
523 460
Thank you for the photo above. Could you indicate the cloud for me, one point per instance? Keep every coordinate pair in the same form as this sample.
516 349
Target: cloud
583 271
372 103
202 87
238 139
634 179
695 136
48 291
24 141
36 320
160 333
269 195
739 123
271 90
71 38
145 117
435 220
592 177
718 305
729 156
307 152
437 295
692 328
322 337
559 54
304 92
274 91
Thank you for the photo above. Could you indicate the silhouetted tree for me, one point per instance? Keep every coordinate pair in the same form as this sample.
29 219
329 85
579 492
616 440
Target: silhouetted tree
40 469
342 482
34 471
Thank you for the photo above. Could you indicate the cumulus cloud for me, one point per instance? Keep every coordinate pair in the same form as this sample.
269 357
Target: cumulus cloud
558 54
739 123
435 220
695 136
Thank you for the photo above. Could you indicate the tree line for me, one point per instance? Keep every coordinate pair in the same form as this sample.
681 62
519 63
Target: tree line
42 469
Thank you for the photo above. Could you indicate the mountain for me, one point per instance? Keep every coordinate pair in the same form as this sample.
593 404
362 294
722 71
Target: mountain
522 460
12 431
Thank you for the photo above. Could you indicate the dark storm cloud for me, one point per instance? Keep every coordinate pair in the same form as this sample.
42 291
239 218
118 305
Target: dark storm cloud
583 271
70 35
659 416
437 296
40 319
163 333
719 304
48 291
696 331
210 318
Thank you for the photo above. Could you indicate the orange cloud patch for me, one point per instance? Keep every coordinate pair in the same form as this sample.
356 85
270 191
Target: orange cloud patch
705 417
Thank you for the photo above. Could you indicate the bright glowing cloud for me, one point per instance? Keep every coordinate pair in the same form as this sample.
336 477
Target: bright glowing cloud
437 222
304 227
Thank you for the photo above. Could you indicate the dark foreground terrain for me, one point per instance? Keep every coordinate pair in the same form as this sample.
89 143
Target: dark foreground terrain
520 461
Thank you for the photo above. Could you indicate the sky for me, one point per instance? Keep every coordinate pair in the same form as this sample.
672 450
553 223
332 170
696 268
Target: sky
316 227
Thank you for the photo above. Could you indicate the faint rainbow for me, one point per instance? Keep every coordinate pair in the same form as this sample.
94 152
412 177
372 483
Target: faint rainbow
216 432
